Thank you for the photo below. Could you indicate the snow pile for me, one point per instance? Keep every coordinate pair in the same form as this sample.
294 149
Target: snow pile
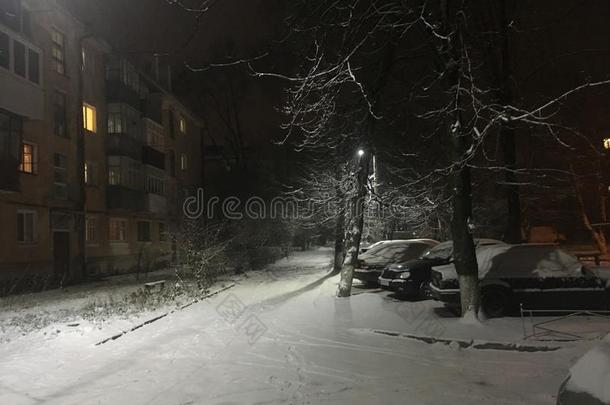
591 374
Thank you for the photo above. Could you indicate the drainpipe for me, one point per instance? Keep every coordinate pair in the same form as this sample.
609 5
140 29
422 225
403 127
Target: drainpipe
80 161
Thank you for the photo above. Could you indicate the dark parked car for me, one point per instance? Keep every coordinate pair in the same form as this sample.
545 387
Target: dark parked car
537 276
371 263
412 277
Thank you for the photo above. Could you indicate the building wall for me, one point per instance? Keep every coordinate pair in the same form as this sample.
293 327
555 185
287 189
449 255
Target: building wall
58 219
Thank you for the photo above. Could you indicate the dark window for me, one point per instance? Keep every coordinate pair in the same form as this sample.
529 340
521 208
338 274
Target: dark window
26 226
10 135
19 61
60 114
4 50
33 66
61 177
143 231
58 52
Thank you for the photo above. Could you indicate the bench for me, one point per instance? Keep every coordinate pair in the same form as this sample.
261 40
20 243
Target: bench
154 286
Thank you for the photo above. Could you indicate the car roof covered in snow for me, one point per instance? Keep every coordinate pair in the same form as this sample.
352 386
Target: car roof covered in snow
512 261
384 244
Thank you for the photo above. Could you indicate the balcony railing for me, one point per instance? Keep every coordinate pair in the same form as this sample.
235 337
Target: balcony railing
124 145
119 197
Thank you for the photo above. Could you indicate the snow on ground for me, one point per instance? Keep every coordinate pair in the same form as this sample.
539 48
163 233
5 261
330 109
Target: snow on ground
591 373
281 337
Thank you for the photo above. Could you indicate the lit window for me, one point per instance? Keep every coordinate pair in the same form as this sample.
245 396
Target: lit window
26 226
607 143
183 162
28 158
89 118
91 230
182 125
58 52
118 230
90 174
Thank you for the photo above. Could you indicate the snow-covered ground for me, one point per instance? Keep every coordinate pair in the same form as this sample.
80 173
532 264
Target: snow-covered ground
281 337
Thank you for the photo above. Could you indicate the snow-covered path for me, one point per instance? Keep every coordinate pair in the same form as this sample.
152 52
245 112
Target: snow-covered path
263 343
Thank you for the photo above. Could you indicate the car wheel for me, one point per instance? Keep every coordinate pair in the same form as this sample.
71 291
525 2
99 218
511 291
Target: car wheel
495 302
424 290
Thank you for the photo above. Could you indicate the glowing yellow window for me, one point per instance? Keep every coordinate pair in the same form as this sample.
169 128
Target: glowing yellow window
89 118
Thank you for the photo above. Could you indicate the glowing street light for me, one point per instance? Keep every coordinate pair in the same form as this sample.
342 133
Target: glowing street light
360 152
607 143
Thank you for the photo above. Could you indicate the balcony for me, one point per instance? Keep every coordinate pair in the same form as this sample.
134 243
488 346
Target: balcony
119 92
10 151
119 197
153 157
156 204
123 145
20 78
152 108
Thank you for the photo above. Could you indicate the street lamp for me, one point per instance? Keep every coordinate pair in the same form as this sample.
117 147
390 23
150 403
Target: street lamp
607 143
360 152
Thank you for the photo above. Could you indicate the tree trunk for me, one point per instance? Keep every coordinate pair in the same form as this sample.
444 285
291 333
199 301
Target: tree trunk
464 255
339 241
354 234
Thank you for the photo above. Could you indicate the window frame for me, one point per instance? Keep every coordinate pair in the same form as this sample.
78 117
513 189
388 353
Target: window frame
184 162
34 158
86 109
91 236
64 174
58 51
123 230
34 215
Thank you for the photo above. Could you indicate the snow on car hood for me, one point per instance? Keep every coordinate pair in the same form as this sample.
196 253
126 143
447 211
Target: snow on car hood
520 261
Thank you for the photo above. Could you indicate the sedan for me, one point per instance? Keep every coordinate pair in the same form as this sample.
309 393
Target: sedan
371 263
539 277
412 277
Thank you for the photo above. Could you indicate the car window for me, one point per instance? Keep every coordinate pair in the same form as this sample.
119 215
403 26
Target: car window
414 251
441 251
390 252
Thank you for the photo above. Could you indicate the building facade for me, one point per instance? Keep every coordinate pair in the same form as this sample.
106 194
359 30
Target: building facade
95 156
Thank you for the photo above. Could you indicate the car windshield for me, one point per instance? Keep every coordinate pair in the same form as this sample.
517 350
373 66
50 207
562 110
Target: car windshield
390 252
440 251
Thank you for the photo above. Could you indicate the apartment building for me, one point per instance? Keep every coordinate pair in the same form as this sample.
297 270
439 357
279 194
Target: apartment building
95 156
